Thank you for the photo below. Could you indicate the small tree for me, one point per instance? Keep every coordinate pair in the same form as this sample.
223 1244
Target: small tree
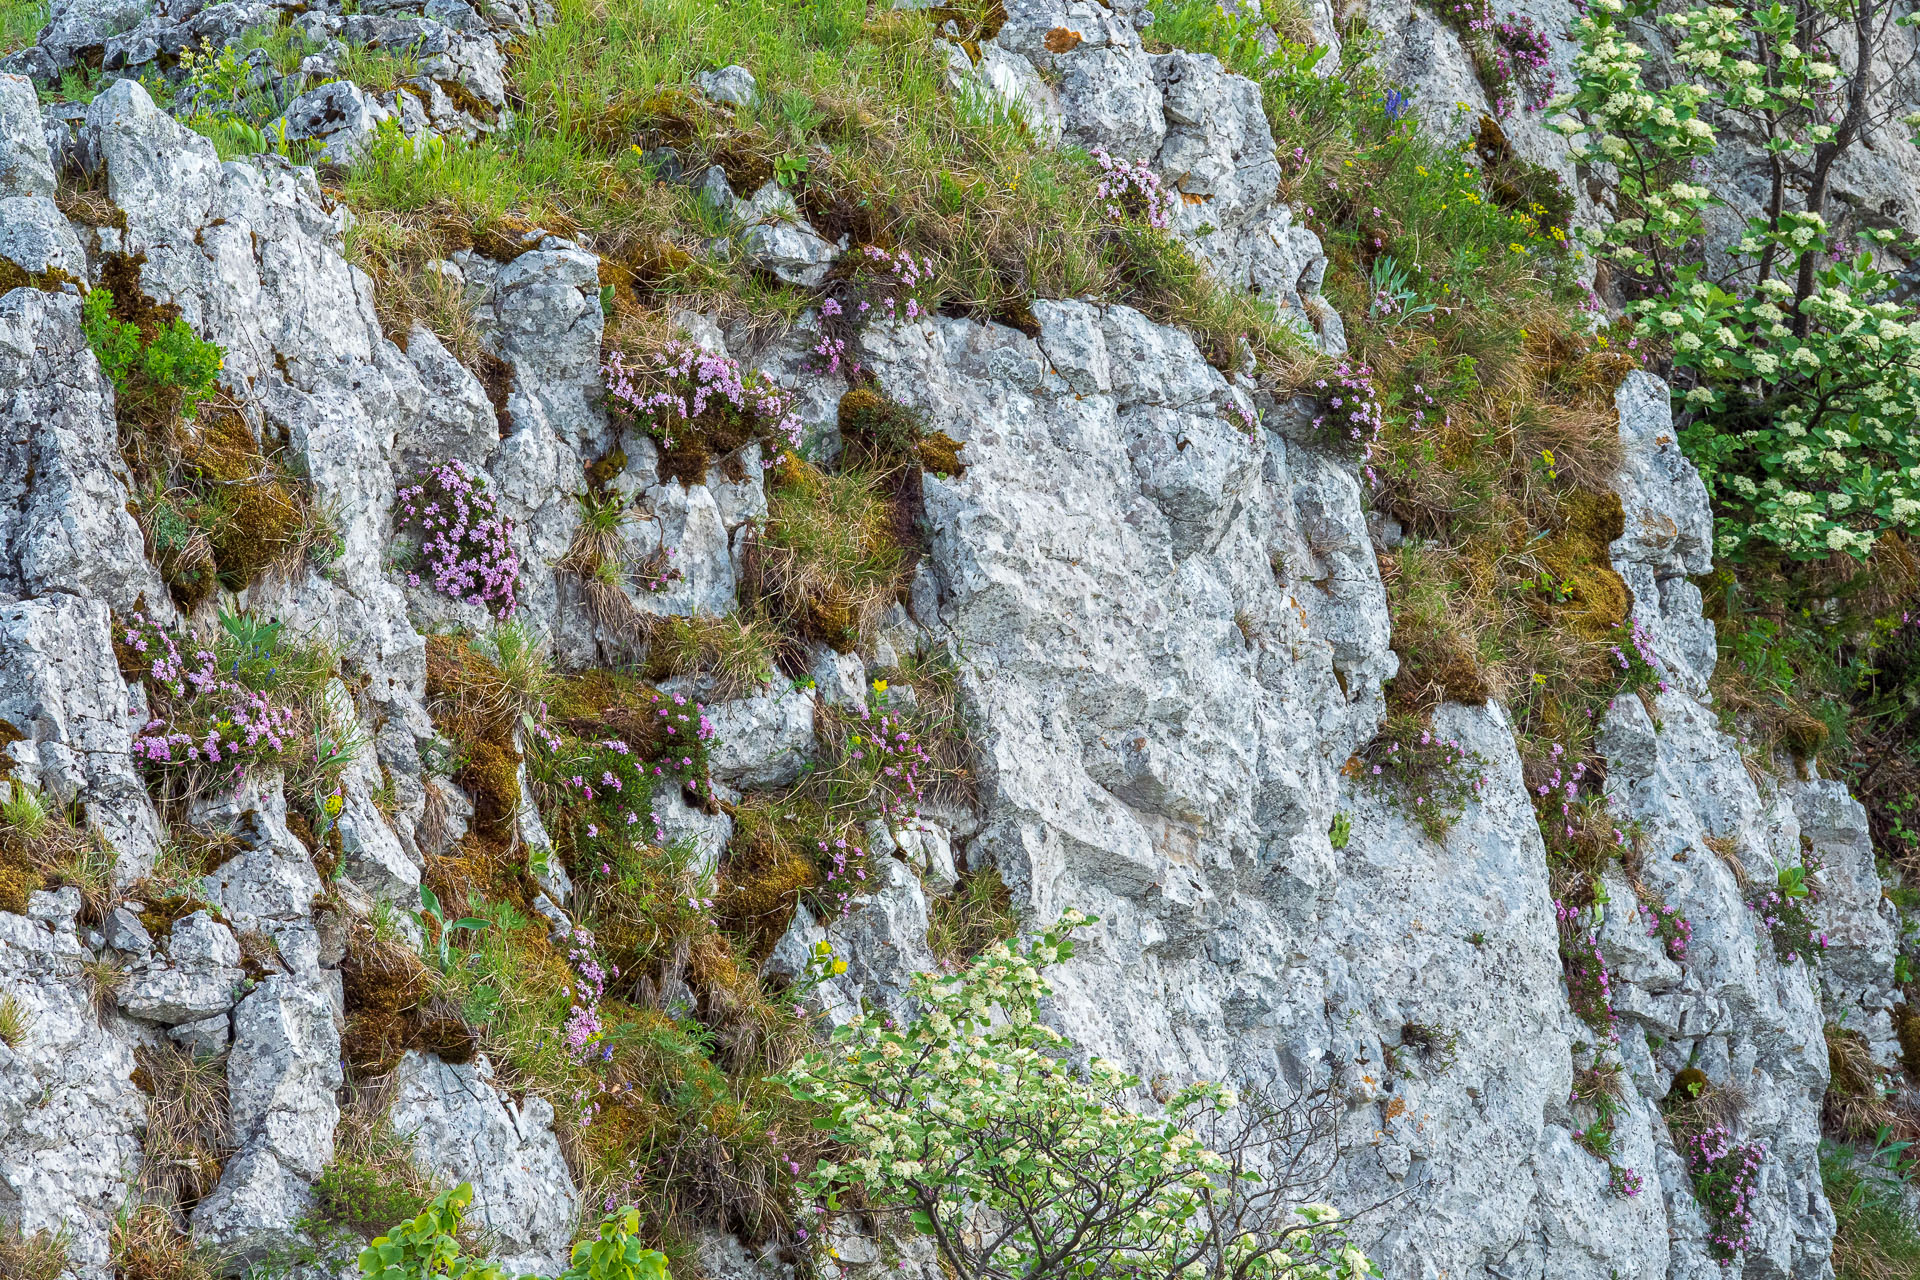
1022 1167
1799 369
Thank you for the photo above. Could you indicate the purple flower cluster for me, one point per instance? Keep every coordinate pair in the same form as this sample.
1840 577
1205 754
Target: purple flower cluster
878 772
1669 926
1513 50
1589 985
214 718
1624 1182
1431 777
466 542
583 1029
1639 665
683 386
1133 192
883 284
1788 920
1350 411
604 787
846 865
1725 1176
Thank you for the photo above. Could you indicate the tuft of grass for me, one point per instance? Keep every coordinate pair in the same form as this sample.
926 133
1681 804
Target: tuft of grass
827 564
147 1245
731 655
22 809
40 1256
372 1182
187 1141
1875 1236
16 1020
1860 1100
21 21
977 914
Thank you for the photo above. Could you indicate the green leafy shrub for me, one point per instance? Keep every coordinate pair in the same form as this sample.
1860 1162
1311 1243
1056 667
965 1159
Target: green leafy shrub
428 1246
1874 1238
961 1111
173 364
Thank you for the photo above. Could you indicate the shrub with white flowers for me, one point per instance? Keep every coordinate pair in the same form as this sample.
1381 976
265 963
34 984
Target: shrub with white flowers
973 1122
1799 372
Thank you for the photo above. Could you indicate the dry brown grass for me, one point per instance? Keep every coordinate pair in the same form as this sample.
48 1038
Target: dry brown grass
1860 1099
147 1245
828 563
187 1141
39 1256
977 914
1727 849
730 656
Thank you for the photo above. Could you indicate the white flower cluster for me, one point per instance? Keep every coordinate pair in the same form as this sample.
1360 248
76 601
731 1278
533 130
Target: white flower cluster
1805 406
972 1119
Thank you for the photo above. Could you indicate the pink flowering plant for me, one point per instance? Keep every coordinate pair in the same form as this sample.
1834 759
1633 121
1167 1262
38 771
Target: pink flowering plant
1637 666
465 544
1784 912
1725 1175
1510 54
1350 414
876 284
595 779
1667 924
1575 822
1427 776
217 708
1589 984
873 763
1131 193
699 406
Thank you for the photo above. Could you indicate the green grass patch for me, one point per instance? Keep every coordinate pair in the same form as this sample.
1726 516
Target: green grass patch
20 22
1874 1236
853 116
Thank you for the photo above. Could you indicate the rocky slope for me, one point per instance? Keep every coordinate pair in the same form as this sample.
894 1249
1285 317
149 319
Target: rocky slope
1173 636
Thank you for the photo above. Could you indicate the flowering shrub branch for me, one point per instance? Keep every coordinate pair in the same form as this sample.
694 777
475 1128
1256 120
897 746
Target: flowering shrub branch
1800 371
1019 1165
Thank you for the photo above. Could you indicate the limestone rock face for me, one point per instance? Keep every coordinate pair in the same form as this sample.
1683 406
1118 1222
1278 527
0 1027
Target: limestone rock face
460 1124
1171 636
1174 635
71 1117
1201 128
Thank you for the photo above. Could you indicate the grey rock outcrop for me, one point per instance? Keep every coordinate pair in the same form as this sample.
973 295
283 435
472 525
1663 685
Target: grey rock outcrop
71 1117
195 980
1171 631
61 691
460 1124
